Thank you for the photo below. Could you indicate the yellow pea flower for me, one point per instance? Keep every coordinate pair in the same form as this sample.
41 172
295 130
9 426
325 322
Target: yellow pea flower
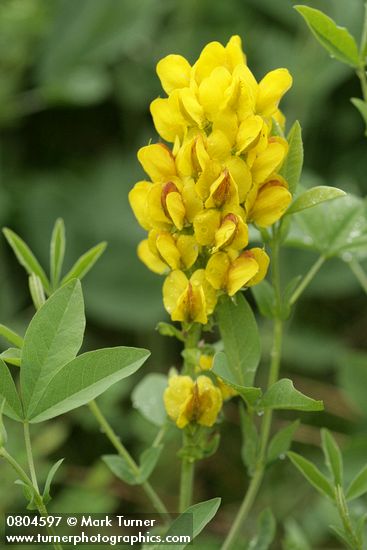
206 363
163 251
232 233
271 201
188 401
189 300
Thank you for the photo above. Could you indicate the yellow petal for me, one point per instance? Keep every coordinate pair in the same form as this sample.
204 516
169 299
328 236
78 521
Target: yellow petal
206 362
157 161
210 173
174 285
157 215
225 234
271 202
241 271
226 390
138 202
198 278
241 175
191 109
212 56
192 202
248 133
271 89
176 209
212 88
217 269
177 397
226 121
235 55
188 249
262 260
209 401
167 117
167 249
222 191
218 145
206 223
269 160
174 72
152 261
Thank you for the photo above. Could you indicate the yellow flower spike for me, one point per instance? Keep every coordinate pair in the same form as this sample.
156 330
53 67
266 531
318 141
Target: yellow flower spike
279 118
210 174
216 270
191 200
198 278
262 260
241 175
151 260
235 55
174 72
211 90
241 271
206 224
233 232
175 284
157 212
208 402
177 397
191 109
138 202
206 362
223 191
167 249
271 89
192 157
270 160
242 97
167 117
248 133
157 161
271 202
188 249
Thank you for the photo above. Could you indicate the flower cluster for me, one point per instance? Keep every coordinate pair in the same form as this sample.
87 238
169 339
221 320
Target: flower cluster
221 173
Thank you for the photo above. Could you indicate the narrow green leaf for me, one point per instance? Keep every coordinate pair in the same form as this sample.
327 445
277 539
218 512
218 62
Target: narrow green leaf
85 263
84 378
53 338
358 486
266 528
221 368
292 166
122 469
147 398
250 440
166 329
9 392
281 442
26 257
265 298
343 536
36 290
283 395
29 493
148 462
51 474
12 356
312 474
314 196
362 108
240 337
192 521
336 40
333 457
57 252
11 336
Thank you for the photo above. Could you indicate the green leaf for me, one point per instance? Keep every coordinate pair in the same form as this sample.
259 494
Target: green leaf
86 377
29 493
12 356
333 457
221 368
314 196
85 263
191 522
265 299
292 166
26 257
358 486
11 336
312 474
266 528
240 337
36 290
9 392
166 329
336 40
53 338
281 442
147 397
51 474
131 473
250 440
362 108
283 395
57 252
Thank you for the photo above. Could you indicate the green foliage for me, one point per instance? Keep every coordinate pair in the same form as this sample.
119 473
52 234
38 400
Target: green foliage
147 398
12 356
222 369
84 263
358 485
57 252
46 497
266 528
333 457
250 441
11 336
362 108
283 395
292 167
314 196
242 346
281 441
312 474
9 392
128 471
336 40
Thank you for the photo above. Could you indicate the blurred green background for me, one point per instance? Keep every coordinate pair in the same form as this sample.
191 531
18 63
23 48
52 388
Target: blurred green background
76 80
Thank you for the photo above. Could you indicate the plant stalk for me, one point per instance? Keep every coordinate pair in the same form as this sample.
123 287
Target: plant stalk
124 453
27 439
306 280
187 480
359 273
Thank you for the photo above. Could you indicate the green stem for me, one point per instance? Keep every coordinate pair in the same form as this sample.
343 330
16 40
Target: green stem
124 453
256 481
27 439
37 497
359 273
363 47
361 73
306 280
341 504
187 481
